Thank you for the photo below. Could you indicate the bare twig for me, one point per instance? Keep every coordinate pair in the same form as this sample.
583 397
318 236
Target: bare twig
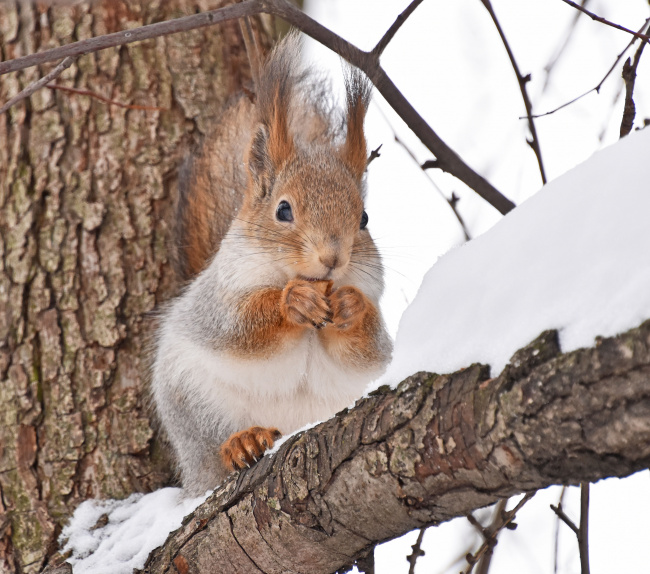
564 518
556 543
599 85
602 20
90 45
522 81
629 76
446 158
388 36
374 154
583 531
484 563
29 90
417 551
103 99
501 520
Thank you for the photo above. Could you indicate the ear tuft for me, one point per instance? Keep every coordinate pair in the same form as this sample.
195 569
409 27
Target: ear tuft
260 163
354 152
277 84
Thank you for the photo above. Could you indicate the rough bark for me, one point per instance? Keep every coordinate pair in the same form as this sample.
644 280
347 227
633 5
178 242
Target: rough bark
85 199
435 448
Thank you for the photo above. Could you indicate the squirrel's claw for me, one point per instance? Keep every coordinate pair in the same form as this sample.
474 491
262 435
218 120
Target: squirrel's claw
245 448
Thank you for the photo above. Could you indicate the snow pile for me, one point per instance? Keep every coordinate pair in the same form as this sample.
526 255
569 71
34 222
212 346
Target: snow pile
575 257
134 528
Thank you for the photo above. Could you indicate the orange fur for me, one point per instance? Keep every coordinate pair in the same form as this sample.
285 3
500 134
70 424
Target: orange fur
280 145
245 447
354 152
352 336
198 232
271 317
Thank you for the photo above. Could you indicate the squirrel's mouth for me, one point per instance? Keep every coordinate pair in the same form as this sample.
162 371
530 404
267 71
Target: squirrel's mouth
305 278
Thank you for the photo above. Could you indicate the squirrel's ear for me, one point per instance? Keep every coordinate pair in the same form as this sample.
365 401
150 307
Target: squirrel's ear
272 145
259 162
354 152
280 144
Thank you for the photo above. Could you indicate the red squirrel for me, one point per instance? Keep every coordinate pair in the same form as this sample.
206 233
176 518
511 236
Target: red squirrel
279 324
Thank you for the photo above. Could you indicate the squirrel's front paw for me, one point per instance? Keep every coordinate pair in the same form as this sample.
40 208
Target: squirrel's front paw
306 302
244 448
348 307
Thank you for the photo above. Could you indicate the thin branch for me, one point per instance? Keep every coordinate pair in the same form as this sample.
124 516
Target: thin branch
522 80
417 551
388 36
564 518
446 158
374 154
556 542
599 85
29 90
583 531
485 561
502 520
90 45
103 99
602 20
629 76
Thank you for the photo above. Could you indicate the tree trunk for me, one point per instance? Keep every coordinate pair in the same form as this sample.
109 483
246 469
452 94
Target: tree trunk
86 196
435 448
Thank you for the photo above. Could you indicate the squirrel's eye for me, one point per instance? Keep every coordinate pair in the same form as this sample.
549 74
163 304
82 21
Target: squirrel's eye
283 212
364 220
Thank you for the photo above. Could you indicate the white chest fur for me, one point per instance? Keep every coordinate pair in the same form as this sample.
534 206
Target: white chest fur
299 385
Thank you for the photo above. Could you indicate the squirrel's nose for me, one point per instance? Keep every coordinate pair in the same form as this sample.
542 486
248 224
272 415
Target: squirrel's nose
330 260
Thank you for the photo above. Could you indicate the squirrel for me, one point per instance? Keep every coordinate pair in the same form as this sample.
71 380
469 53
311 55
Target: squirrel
278 325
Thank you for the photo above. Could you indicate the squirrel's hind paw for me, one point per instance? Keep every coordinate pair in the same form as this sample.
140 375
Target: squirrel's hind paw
245 447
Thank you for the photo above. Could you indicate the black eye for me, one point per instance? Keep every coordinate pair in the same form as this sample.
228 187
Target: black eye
364 220
283 212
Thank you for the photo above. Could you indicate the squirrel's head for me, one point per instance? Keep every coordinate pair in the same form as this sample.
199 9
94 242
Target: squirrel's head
305 202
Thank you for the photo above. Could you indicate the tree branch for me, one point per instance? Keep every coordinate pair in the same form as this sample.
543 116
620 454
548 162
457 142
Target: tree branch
446 158
599 85
90 45
522 81
602 20
37 85
583 531
502 519
417 551
388 36
629 77
435 448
